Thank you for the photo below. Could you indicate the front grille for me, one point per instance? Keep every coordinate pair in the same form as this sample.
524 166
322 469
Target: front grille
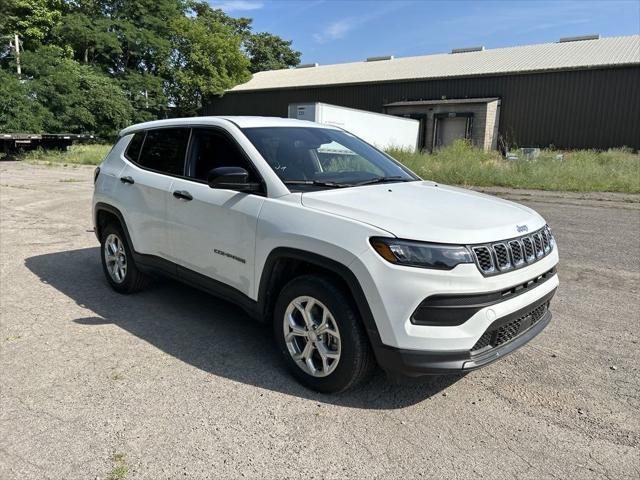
529 253
537 242
514 253
546 241
500 335
502 256
483 256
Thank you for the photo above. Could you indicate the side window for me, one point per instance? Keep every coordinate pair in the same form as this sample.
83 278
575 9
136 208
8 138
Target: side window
164 150
212 149
134 147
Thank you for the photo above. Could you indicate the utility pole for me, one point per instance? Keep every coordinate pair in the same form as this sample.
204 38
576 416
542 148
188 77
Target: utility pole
17 45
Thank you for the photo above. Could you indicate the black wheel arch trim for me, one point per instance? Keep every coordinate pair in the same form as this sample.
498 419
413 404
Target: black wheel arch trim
105 207
322 262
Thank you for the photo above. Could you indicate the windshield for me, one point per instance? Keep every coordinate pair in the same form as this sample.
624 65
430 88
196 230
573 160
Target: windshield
314 158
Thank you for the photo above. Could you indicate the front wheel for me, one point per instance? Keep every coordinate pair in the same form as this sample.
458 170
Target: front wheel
320 335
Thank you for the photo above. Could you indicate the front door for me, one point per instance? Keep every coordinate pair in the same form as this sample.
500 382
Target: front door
213 231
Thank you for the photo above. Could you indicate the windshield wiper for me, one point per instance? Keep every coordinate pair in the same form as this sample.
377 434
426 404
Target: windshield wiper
316 183
393 178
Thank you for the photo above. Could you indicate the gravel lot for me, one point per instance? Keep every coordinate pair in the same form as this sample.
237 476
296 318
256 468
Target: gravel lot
172 383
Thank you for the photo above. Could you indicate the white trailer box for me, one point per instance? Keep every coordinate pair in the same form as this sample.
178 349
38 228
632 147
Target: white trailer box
383 131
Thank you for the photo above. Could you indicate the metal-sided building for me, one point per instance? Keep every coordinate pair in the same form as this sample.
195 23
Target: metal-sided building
581 92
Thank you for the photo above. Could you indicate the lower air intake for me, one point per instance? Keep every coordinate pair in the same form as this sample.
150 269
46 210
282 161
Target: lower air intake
507 332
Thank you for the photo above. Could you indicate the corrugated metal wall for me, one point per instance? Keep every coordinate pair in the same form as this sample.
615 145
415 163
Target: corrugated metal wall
570 109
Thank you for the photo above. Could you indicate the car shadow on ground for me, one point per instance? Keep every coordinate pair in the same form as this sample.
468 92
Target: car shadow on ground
208 333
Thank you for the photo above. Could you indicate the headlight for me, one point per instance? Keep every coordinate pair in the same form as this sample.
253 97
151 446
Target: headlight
419 254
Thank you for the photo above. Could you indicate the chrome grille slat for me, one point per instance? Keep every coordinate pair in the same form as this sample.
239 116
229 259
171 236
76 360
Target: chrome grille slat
515 253
503 259
484 258
546 243
529 252
537 243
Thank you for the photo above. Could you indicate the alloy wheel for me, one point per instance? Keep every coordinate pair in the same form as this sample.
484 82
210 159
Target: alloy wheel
115 258
312 336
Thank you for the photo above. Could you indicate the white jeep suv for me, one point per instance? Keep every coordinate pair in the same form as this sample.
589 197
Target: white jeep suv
350 256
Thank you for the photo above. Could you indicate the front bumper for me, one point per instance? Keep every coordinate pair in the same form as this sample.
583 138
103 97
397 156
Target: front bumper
415 363
394 294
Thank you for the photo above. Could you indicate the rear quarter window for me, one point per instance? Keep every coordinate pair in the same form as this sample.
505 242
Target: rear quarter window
135 145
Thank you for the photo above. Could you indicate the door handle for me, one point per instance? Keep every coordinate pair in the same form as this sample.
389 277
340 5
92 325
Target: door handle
129 180
183 195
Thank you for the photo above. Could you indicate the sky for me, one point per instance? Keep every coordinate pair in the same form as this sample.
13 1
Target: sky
336 31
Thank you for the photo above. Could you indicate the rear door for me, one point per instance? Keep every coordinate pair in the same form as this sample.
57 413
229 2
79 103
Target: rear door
155 157
213 231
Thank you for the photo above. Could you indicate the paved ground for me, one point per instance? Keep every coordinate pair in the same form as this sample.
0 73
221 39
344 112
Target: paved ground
172 383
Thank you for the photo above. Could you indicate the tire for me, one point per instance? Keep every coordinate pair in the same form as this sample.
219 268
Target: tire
315 295
128 278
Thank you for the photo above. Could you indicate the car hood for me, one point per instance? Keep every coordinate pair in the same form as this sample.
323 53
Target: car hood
429 212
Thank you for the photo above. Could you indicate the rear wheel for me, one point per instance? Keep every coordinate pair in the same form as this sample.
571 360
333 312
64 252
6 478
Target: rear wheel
117 261
320 335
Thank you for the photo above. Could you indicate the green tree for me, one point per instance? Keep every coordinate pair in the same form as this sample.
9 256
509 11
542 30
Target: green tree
31 19
265 50
270 52
240 26
129 40
146 93
95 65
80 98
91 37
19 111
206 61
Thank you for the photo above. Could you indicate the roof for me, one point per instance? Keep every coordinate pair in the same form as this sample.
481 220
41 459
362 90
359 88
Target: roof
442 102
240 121
250 122
603 52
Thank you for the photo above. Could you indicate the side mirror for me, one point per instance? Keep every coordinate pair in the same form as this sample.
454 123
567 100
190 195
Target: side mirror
232 178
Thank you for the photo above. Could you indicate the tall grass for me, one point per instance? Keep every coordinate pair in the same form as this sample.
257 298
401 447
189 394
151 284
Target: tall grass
87 154
616 170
